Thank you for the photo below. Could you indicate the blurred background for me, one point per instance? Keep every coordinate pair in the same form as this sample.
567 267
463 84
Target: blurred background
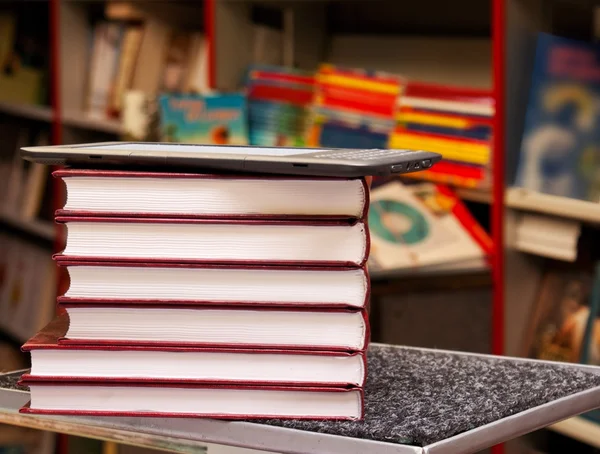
495 250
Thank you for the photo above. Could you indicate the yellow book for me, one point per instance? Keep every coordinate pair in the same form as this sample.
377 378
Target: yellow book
432 119
456 151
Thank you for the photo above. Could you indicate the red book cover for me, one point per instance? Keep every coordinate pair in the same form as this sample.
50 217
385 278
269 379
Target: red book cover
66 261
316 347
358 261
51 337
470 224
447 92
115 174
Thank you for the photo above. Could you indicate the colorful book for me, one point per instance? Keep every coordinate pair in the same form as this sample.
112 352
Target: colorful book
421 225
208 119
560 149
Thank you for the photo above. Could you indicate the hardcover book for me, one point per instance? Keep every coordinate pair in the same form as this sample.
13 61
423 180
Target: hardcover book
207 119
560 149
53 360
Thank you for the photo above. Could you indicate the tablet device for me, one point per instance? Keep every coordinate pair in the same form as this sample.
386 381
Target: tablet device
296 161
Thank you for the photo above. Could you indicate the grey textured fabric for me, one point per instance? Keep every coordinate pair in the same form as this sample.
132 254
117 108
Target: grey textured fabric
9 381
420 397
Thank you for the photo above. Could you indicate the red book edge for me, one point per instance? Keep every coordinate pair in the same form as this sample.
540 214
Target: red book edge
427 90
464 216
265 74
28 410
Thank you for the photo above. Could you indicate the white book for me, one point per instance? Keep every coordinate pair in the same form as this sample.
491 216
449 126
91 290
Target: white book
213 241
209 401
218 327
52 359
180 194
217 285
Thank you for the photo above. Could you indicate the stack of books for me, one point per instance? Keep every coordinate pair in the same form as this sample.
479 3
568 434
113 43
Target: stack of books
279 102
207 295
353 108
455 122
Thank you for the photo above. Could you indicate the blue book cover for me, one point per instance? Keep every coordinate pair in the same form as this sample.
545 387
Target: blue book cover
207 119
560 149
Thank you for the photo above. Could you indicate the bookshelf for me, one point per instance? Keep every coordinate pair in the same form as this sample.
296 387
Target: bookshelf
32 112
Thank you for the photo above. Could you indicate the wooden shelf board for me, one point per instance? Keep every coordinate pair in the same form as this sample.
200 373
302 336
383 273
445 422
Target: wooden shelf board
74 119
579 429
42 113
83 121
474 195
523 199
41 229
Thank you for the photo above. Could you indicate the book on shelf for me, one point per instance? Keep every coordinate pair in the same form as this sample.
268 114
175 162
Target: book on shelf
27 286
143 54
157 194
548 236
453 121
565 321
25 184
279 101
24 56
423 225
104 67
52 359
194 118
353 107
560 148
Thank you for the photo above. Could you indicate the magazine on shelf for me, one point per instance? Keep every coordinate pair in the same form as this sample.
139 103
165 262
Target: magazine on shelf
565 324
213 119
560 150
423 225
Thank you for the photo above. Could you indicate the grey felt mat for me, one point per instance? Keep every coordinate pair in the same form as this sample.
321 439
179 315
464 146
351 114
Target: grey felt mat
419 397
9 381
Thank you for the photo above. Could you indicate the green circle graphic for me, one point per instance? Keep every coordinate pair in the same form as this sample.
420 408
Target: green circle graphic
419 227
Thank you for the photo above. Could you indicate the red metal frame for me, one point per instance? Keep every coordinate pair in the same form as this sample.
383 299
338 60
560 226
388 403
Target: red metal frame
209 31
55 101
498 64
62 440
498 181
